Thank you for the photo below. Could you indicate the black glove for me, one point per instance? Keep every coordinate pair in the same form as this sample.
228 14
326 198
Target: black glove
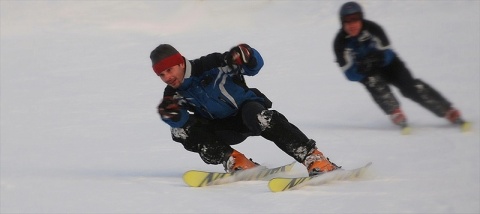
241 55
169 109
371 63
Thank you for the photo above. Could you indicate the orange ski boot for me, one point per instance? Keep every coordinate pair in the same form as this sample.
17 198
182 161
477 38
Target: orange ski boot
237 161
318 164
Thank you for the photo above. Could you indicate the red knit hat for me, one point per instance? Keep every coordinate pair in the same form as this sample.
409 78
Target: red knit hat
164 57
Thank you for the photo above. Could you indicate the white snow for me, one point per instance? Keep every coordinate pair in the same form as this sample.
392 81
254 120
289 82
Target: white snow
80 132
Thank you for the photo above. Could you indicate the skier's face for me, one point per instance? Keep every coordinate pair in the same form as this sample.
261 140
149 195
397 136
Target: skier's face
352 25
174 75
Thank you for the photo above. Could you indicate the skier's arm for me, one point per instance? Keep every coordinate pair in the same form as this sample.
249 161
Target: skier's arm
346 59
382 43
208 62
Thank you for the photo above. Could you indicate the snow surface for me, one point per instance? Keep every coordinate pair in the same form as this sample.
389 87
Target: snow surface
80 133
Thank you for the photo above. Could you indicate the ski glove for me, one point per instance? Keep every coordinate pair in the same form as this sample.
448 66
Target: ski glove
169 109
371 63
241 55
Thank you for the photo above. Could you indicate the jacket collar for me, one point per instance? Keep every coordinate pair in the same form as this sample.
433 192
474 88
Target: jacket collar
188 69
187 81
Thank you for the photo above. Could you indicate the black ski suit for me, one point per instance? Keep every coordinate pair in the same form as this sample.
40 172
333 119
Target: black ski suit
385 68
211 89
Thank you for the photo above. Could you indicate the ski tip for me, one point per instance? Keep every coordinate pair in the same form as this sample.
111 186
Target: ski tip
190 178
466 126
406 130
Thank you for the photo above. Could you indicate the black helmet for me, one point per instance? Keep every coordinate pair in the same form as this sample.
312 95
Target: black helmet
350 8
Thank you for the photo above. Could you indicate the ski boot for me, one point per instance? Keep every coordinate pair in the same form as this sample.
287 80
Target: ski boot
453 115
237 161
318 164
398 117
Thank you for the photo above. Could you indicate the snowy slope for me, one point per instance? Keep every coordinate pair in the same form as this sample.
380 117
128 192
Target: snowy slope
80 134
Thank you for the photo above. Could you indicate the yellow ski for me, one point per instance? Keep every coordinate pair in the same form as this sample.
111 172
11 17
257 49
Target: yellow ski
283 184
196 178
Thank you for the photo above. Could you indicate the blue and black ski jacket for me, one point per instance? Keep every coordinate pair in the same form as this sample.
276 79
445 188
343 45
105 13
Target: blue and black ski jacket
213 90
351 50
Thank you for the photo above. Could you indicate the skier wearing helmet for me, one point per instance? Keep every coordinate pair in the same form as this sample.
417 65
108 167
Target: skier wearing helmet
363 52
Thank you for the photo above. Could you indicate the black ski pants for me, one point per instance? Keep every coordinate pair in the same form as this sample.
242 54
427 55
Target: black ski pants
212 139
398 75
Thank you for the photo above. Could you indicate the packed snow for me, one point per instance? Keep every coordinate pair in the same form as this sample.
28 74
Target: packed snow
80 132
